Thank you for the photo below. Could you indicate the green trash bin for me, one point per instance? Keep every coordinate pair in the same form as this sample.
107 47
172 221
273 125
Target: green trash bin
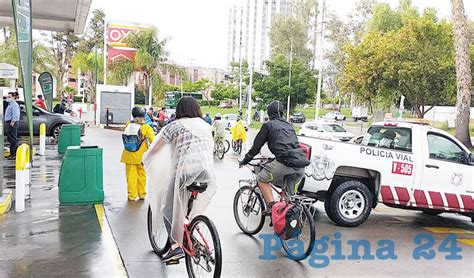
70 135
81 176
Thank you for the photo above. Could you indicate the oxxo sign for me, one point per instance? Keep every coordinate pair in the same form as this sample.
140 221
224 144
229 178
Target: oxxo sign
117 33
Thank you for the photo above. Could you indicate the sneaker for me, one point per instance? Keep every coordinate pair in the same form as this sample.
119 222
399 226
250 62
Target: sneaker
172 255
11 157
268 210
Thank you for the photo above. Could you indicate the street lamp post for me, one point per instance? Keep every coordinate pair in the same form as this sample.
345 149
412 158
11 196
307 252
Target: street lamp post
289 82
240 60
320 77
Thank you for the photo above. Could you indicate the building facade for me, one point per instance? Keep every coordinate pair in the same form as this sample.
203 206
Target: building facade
249 30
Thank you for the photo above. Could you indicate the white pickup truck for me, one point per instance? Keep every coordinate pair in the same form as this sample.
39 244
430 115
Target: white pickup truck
400 164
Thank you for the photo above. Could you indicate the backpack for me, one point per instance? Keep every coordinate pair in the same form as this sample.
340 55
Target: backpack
296 158
132 137
56 108
286 220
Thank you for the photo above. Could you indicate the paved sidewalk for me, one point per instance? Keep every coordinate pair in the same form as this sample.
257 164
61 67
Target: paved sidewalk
49 240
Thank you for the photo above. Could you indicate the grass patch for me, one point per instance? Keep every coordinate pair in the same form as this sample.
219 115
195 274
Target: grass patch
213 110
444 126
309 112
256 125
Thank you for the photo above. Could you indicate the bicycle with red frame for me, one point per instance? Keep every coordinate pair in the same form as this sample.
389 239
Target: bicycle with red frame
203 254
249 205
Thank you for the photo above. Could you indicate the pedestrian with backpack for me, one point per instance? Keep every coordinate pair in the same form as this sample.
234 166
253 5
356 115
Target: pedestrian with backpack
136 138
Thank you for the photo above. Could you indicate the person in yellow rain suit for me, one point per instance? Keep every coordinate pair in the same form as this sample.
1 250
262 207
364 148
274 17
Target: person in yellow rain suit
136 138
238 131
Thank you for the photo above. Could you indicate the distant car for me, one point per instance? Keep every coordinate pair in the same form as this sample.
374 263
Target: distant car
357 140
231 120
335 115
297 117
225 105
53 121
325 130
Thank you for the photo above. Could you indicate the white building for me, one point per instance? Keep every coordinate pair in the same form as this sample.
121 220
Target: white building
249 30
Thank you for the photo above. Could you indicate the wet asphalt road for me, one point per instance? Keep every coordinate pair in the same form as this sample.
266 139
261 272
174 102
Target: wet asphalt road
241 253
52 241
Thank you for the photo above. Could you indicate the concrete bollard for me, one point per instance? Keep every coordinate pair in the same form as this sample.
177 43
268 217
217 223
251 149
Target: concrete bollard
42 149
22 177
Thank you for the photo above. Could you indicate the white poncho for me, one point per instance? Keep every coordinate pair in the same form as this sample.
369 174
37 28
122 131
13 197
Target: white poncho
185 157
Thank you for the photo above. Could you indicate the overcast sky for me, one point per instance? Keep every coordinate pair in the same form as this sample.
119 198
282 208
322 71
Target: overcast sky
197 29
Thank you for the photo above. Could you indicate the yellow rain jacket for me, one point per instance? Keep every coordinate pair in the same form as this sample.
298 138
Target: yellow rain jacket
238 132
134 170
136 157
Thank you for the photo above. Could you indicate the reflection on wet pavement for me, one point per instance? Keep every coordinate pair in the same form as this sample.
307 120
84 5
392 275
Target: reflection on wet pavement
48 239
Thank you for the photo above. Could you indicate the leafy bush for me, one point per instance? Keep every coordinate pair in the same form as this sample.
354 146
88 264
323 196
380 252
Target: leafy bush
139 96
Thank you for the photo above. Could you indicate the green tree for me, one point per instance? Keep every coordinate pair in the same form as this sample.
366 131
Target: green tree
223 91
289 36
43 60
340 33
94 34
275 84
416 61
64 45
149 54
85 62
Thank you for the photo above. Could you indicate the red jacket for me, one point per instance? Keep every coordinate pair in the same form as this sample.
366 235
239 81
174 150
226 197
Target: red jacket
40 103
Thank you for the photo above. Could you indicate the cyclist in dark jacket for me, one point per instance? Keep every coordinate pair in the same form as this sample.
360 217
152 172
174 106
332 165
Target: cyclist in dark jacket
282 141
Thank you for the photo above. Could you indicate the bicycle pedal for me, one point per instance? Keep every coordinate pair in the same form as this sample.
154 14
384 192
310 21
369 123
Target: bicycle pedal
172 262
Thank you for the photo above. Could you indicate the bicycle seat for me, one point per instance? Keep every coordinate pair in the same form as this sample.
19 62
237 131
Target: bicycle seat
199 187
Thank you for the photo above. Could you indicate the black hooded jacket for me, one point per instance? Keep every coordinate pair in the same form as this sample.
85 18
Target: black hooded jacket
281 138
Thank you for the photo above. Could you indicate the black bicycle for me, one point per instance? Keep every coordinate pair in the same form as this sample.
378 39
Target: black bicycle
237 146
201 243
249 205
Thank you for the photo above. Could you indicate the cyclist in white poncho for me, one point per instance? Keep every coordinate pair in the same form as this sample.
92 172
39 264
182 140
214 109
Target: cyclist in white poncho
181 154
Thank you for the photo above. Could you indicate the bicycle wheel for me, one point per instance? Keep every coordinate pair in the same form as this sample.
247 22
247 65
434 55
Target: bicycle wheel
293 246
159 239
220 150
226 146
248 208
239 147
207 261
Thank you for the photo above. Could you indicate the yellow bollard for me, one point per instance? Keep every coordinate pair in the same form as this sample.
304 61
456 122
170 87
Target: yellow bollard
42 149
22 177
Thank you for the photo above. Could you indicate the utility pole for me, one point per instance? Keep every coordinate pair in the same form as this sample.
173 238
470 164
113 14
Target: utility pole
289 82
321 58
240 60
105 50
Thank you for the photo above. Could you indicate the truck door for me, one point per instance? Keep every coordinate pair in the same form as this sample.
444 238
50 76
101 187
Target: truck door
447 177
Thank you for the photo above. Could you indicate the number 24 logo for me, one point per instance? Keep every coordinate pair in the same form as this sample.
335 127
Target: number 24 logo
425 244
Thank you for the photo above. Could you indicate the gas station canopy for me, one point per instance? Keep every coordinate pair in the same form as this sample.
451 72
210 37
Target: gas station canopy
51 15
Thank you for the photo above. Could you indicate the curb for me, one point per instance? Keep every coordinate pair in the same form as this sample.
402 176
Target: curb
5 201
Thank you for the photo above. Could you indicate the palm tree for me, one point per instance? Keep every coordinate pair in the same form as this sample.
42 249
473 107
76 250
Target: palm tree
150 58
463 72
85 64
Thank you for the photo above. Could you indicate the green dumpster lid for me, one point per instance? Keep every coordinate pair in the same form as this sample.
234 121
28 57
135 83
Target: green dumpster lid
70 126
84 151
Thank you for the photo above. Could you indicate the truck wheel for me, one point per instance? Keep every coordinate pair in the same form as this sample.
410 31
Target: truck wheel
349 204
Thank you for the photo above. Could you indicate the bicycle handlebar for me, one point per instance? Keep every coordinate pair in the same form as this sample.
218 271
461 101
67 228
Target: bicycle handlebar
265 159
